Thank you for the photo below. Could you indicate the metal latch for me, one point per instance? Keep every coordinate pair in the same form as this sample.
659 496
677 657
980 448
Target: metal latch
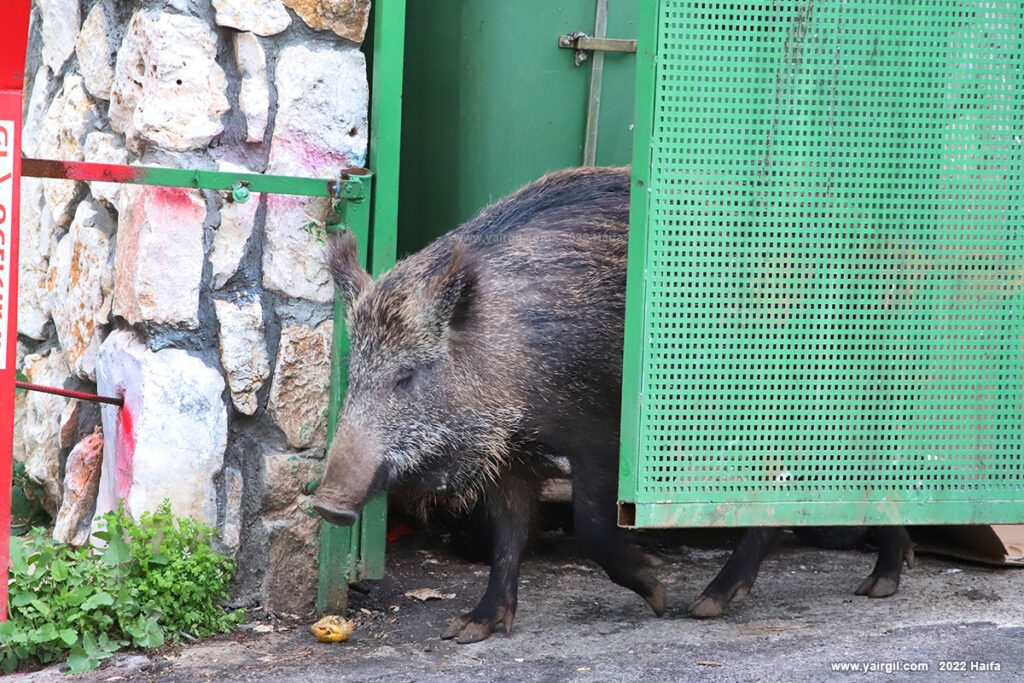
581 42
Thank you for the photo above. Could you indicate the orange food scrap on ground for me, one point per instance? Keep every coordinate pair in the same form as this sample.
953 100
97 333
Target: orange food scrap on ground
333 629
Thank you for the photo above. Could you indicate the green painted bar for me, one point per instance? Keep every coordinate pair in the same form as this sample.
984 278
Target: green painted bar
372 540
335 559
386 129
906 512
220 180
385 157
339 546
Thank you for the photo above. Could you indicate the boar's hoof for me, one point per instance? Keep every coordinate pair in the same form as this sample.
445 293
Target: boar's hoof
707 607
472 627
657 599
712 601
336 516
878 586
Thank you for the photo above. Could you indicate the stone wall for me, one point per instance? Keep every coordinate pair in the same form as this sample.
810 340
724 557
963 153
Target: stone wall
211 318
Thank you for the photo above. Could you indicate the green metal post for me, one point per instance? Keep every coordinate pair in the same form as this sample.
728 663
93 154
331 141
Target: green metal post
386 129
349 554
339 546
633 346
385 149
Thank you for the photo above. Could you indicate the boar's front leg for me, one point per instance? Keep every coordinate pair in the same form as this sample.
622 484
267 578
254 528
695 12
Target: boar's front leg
737 576
510 505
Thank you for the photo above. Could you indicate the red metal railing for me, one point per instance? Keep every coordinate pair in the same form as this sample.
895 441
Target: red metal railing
68 393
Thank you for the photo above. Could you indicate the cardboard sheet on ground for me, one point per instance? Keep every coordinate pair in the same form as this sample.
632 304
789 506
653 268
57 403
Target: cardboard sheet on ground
1001 544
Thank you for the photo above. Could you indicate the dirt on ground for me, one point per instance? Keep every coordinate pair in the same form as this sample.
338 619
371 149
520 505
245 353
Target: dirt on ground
951 620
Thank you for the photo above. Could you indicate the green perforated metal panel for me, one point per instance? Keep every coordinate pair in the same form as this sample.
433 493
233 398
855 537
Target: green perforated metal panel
824 317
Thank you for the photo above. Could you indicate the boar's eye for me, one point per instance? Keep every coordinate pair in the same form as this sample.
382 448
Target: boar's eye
404 379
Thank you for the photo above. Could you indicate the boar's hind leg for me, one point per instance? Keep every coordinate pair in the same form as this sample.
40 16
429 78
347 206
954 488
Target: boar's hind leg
594 516
894 548
738 574
510 506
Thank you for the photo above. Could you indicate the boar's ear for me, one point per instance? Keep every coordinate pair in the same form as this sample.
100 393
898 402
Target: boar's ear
349 275
453 290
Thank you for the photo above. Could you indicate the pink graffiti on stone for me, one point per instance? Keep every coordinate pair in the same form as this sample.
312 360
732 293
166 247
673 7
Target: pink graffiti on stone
125 452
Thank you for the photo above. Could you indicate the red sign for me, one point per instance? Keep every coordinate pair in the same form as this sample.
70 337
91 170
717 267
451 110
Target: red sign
13 39
10 171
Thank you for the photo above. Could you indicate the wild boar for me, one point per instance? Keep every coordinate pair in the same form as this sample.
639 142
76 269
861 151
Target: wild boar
475 360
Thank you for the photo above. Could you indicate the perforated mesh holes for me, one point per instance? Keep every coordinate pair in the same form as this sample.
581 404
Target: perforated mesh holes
834 253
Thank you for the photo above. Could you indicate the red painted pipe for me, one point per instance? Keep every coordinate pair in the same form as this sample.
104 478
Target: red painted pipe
70 394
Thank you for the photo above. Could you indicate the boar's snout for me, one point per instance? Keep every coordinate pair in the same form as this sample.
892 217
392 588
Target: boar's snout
336 516
353 474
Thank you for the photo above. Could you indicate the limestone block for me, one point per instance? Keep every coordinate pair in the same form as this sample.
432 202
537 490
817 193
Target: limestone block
236 225
158 265
231 532
168 440
79 287
38 101
302 377
168 89
263 17
347 18
38 235
292 532
41 428
69 118
253 94
243 350
81 483
96 48
61 20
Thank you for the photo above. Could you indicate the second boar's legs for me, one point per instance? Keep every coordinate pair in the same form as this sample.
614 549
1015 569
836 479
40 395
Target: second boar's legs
738 574
510 502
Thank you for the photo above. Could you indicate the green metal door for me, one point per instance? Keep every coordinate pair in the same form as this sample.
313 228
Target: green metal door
826 265
492 102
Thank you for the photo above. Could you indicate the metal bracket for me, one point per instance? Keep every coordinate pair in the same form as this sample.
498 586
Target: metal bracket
351 188
581 43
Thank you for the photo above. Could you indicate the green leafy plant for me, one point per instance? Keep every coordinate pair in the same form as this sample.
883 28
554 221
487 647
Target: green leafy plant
26 502
156 578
